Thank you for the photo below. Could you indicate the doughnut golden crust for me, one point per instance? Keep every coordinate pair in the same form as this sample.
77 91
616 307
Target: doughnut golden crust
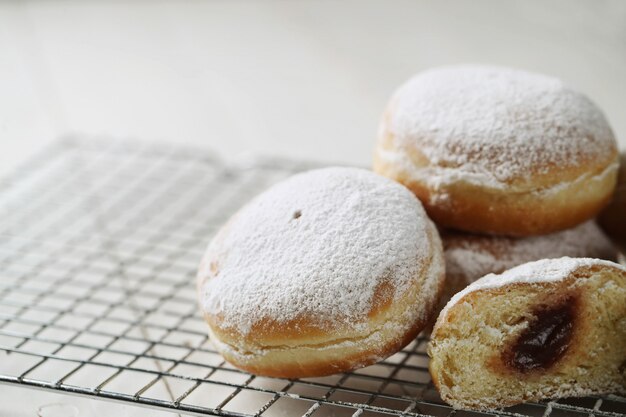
547 329
328 271
499 151
613 218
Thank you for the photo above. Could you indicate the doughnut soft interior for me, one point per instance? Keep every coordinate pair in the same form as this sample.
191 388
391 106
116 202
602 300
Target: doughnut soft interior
499 151
547 329
328 271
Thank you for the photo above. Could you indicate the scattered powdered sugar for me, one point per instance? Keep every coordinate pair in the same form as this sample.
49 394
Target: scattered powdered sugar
317 244
493 125
473 256
544 270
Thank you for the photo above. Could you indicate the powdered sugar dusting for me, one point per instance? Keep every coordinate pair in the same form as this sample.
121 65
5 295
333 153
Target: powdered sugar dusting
494 125
473 256
544 270
317 244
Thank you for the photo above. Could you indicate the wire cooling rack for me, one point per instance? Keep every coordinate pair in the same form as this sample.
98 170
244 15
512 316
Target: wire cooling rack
99 244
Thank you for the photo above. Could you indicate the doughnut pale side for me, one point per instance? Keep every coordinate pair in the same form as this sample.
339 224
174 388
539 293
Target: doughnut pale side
613 218
496 150
547 329
328 271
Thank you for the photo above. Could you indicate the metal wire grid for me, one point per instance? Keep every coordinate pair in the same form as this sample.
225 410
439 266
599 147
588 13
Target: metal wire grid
99 244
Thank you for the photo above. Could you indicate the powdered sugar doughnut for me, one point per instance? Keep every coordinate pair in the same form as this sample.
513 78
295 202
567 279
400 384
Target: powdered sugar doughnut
496 150
328 271
547 329
470 257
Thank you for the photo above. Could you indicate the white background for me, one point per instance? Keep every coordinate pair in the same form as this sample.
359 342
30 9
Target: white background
297 78
304 79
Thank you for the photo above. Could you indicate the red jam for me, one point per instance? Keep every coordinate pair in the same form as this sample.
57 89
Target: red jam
545 340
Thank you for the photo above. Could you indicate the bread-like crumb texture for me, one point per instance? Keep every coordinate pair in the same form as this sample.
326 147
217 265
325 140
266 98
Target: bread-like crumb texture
477 329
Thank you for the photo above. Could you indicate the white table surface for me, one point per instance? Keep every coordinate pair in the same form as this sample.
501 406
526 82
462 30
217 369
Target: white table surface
306 79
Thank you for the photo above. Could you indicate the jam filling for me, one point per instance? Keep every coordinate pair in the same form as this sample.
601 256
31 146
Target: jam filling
545 340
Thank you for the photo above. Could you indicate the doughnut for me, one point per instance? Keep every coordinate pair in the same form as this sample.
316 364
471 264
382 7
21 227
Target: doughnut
328 271
613 218
552 328
498 151
470 257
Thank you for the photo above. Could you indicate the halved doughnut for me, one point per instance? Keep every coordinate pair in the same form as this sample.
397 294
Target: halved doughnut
547 329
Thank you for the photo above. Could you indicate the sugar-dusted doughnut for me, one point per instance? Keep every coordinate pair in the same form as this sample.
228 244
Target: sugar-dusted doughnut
496 150
327 271
470 256
547 329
